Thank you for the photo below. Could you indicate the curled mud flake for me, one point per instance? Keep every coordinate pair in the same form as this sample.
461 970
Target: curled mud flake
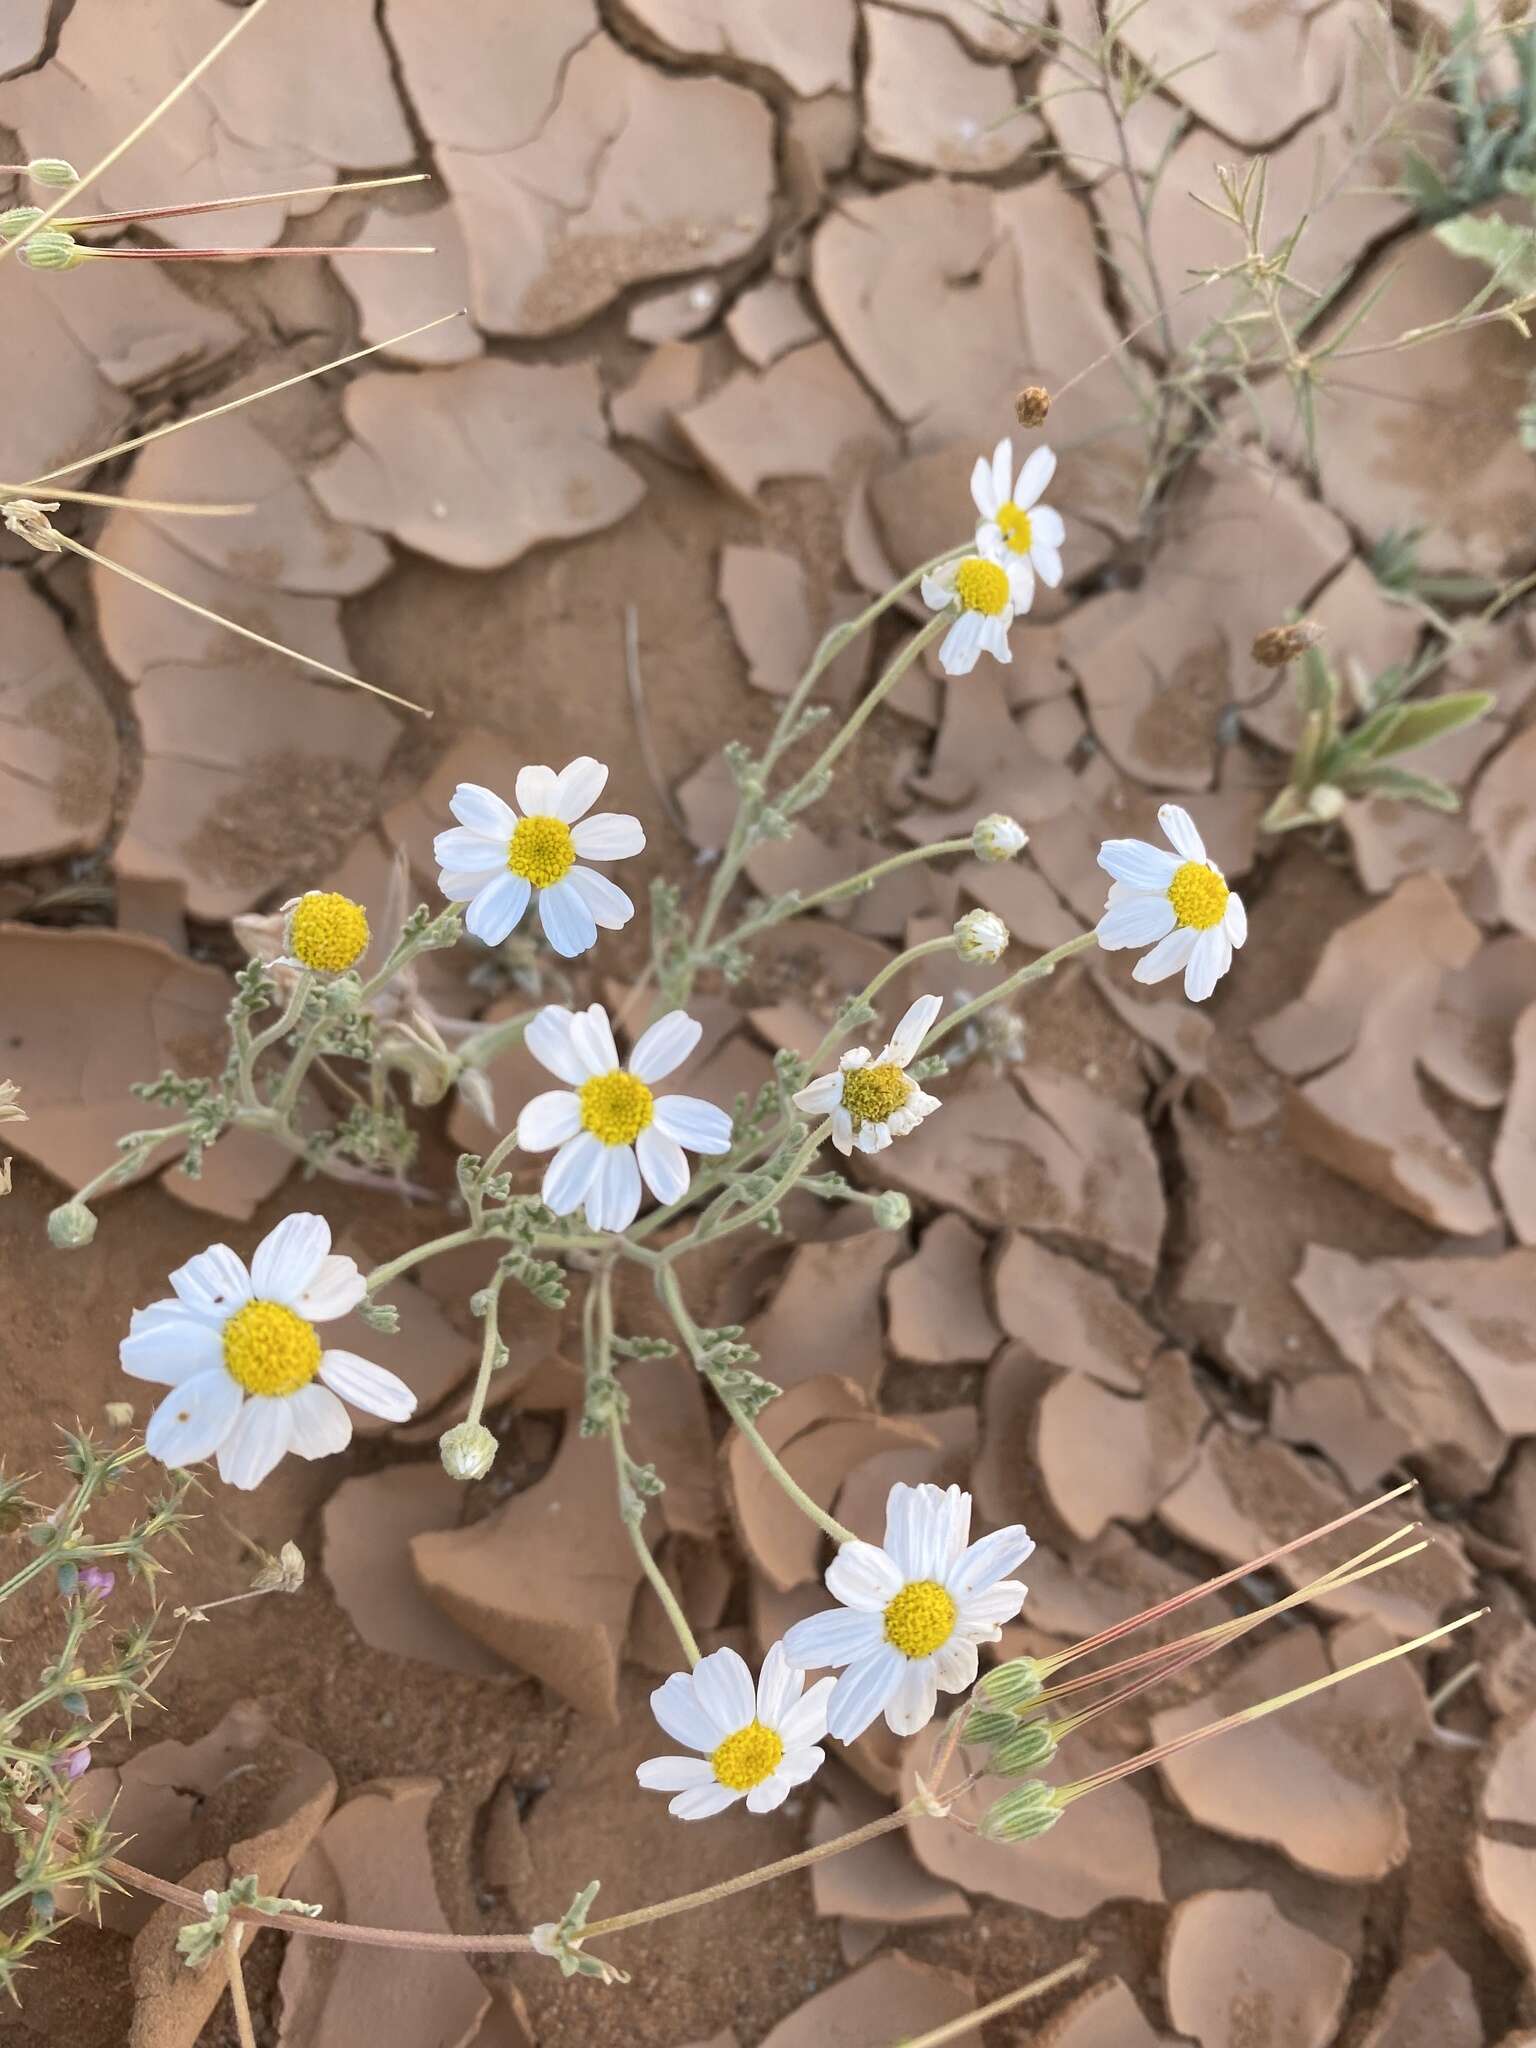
825 1316
1105 2017
1430 1998
937 1301
1236 1972
928 103
892 1997
60 766
806 415
808 44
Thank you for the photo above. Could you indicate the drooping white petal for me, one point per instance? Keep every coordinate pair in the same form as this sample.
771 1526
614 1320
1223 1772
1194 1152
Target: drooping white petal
613 1199
464 851
771 1793
608 835
483 811
569 926
938 586
837 1636
289 1257
1002 471
987 1560
548 1120
1046 562
911 1706
1236 919
862 1575
463 885
1167 957
548 1038
662 1049
194 1418
994 635
213 1284
673 1773
954 1665
571 1173
1209 961
1139 919
663 1165
166 1343
961 645
1181 831
535 789
1034 477
318 1424
336 1290
262 1432
577 788
1021 583
592 1036
701 1126
804 1721
983 495
723 1687
779 1685
981 1615
702 1802
821 1097
990 541
917 1022
1134 861
497 911
606 902
367 1386
677 1709
872 1137
842 1130
862 1692
1046 526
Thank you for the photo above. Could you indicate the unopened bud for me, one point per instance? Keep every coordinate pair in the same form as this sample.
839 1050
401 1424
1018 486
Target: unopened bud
118 1414
51 249
1013 1684
17 219
1025 1750
1028 1810
981 937
1032 405
468 1450
1278 645
998 837
892 1210
70 1226
1326 802
987 1726
52 170
281 1574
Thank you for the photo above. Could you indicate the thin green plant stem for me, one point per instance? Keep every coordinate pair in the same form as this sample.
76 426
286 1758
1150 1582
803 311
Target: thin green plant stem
973 2022
867 706
855 885
489 1343
1037 970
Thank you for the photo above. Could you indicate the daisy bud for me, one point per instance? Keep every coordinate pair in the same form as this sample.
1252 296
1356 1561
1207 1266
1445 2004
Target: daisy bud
1326 802
1032 405
52 249
468 1450
1022 1814
118 1414
52 170
981 937
1013 1684
1278 645
892 1210
70 1226
998 837
17 219
1025 1750
985 1727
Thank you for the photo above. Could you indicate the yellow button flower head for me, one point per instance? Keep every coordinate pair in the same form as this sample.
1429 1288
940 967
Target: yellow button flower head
870 1098
324 931
754 1743
1177 903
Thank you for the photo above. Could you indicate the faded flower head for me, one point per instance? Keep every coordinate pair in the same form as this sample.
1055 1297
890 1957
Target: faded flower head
1032 405
753 1743
1177 903
998 837
1278 645
981 937
870 1098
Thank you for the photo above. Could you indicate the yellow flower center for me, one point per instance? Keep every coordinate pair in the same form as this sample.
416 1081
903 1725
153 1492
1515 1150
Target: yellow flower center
1198 895
981 586
541 851
872 1094
616 1107
1014 522
920 1619
270 1350
747 1757
327 932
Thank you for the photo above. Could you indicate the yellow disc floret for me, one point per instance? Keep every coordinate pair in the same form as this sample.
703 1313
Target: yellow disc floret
1198 895
1013 521
982 586
747 1757
616 1107
873 1094
327 932
270 1350
920 1619
542 851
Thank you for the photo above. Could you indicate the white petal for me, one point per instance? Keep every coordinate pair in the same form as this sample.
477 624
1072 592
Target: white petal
320 1426
1181 831
936 1522
663 1165
571 1173
1167 957
1034 477
954 1665
548 1038
862 1575
805 1722
842 1130
673 1773
702 1802
463 885
677 1709
1207 963
723 1687
990 541
1021 583
535 789
578 787
569 926
983 496
367 1386
289 1257
961 645
497 911
593 1040
262 1432
694 1122
905 1520
1140 919
483 811
466 852
982 1614
873 1137
821 1097
862 1692
938 586
662 1049
214 1284
607 904
1047 526
335 1290
1002 471
802 1762
613 1199
994 635
771 1793
168 1344
1134 861
838 1636
779 1685
988 1559
608 835
912 1704
907 1038
194 1418
548 1120
1046 563
1236 919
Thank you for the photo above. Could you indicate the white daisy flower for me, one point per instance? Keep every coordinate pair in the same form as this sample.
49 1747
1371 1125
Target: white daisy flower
1178 903
495 860
870 1099
754 1744
239 1350
988 592
612 1131
1015 526
913 1611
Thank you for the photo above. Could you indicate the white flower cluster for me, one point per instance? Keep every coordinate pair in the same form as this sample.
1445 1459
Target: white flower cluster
1017 540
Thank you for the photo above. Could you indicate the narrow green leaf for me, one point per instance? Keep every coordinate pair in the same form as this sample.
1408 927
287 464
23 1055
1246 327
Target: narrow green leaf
1379 779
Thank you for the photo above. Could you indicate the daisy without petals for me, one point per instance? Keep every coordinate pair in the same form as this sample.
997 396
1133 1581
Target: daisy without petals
613 1131
495 860
1177 903
988 594
1014 524
239 1350
870 1098
755 1744
913 1610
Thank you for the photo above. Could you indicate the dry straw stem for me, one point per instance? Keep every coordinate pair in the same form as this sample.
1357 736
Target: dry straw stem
972 2022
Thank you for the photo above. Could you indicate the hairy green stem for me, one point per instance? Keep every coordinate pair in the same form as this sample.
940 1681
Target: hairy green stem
1037 970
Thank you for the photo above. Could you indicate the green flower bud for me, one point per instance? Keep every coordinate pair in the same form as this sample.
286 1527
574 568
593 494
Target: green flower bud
985 1727
1013 1684
892 1210
1025 1811
468 1450
17 219
998 837
52 170
1024 1750
70 1226
51 249
981 937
